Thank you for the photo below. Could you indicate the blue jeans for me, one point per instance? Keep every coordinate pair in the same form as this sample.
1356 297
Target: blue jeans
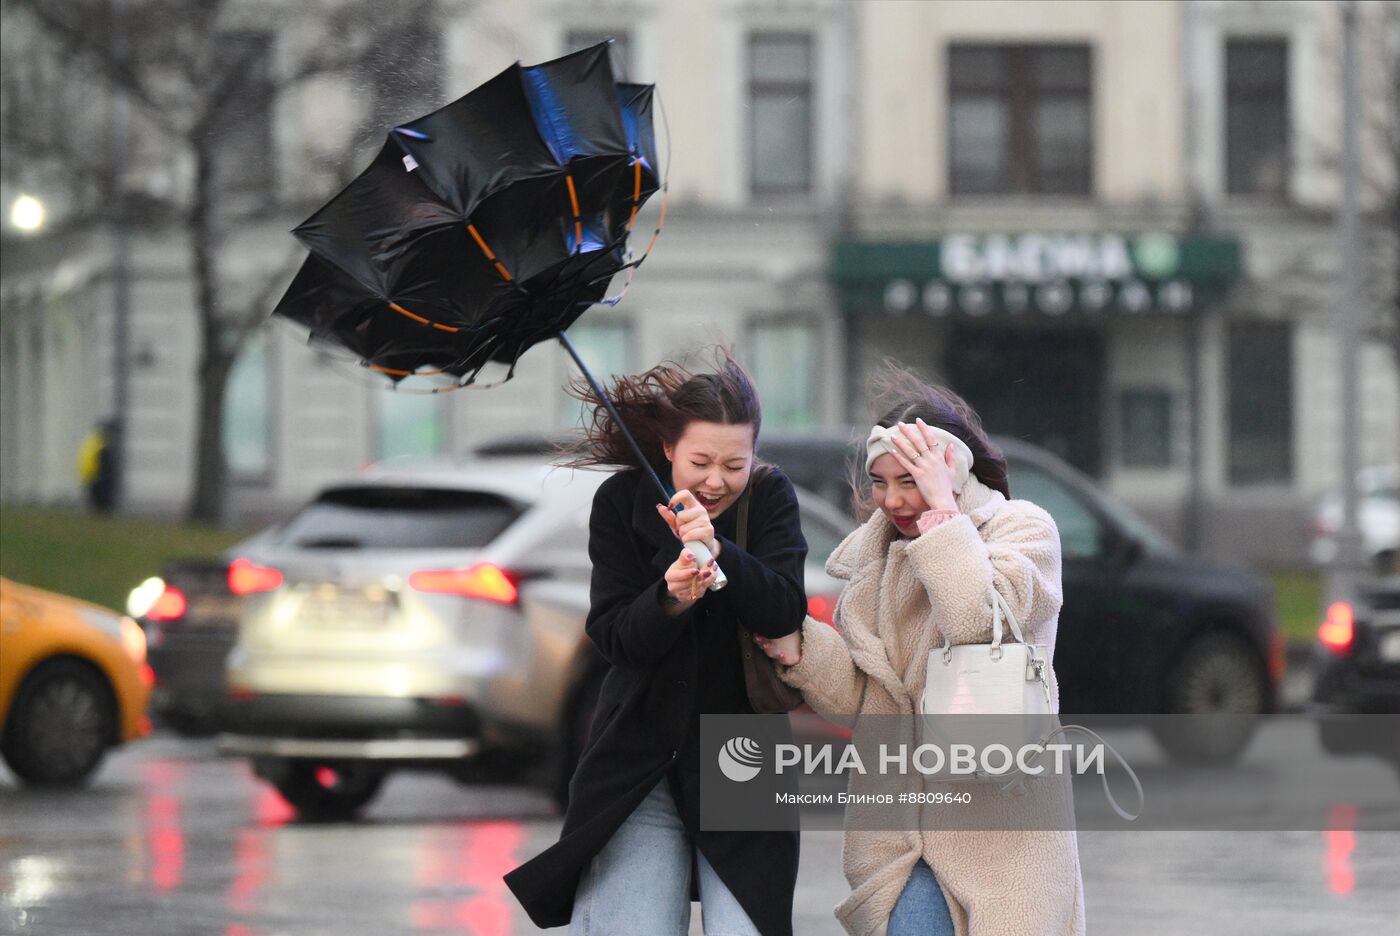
639 884
921 909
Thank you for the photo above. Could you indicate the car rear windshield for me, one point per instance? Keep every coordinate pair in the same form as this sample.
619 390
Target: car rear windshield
400 518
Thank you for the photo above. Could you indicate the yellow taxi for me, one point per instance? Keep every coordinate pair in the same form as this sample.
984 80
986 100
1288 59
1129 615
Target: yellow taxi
73 683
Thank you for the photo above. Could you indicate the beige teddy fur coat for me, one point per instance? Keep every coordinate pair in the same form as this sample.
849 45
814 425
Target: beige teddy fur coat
903 596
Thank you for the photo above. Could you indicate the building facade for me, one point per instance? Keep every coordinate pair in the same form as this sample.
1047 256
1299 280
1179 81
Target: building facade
1109 225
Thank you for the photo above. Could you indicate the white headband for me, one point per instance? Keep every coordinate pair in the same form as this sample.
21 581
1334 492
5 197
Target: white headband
879 443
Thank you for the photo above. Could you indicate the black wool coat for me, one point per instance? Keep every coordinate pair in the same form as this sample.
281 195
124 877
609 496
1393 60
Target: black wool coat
665 672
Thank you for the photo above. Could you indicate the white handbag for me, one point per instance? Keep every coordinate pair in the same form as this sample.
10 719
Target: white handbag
1009 687
996 678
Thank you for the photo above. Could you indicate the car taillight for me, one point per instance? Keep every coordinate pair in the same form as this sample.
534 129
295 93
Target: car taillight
484 580
156 600
1338 628
821 607
246 577
170 605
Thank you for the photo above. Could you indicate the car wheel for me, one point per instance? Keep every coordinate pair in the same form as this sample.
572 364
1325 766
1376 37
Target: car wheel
325 792
61 724
1217 677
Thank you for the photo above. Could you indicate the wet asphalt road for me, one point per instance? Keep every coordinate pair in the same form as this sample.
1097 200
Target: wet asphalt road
172 839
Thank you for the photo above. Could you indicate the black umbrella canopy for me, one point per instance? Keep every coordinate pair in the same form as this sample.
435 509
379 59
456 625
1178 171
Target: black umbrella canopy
484 227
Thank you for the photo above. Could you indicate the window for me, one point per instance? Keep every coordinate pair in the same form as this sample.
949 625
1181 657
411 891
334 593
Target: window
783 360
1256 117
247 413
621 57
1081 536
1260 363
242 127
400 518
780 113
1020 119
1146 428
404 72
606 346
407 424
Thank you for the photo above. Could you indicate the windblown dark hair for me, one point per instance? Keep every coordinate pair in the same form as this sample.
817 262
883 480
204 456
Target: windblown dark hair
898 395
657 405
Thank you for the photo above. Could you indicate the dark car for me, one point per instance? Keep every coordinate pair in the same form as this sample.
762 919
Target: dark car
1358 671
1145 629
190 616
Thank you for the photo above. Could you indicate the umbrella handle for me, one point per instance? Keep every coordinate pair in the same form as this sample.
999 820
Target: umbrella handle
702 556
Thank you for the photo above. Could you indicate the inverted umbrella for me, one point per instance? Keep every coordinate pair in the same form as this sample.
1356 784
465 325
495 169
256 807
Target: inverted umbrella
484 227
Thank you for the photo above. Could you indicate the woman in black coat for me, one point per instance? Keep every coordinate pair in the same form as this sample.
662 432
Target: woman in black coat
631 838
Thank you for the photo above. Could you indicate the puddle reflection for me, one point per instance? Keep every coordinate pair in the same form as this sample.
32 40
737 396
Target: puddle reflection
162 782
467 858
1341 843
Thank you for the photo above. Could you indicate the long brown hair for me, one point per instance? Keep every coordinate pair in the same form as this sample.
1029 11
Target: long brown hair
898 395
657 405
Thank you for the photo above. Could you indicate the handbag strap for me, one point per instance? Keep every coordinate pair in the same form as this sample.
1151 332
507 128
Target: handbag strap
1000 609
1063 731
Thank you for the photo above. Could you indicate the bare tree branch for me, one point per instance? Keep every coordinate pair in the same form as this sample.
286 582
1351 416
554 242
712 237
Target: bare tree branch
80 41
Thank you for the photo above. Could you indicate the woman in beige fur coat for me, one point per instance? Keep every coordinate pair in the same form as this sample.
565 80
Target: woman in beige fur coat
943 534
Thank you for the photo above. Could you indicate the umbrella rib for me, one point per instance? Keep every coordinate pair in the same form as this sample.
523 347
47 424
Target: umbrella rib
422 321
578 224
471 229
403 373
656 235
636 192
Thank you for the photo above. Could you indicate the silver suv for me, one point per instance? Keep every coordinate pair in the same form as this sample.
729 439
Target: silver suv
428 616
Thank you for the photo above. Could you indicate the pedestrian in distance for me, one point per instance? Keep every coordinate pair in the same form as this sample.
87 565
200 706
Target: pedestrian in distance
943 531
631 844
97 467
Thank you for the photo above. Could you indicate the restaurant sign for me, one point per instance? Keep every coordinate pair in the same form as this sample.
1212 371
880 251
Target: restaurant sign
1042 275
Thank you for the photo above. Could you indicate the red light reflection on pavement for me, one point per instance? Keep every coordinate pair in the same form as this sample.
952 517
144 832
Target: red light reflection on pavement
165 838
250 863
250 858
271 810
1341 842
474 857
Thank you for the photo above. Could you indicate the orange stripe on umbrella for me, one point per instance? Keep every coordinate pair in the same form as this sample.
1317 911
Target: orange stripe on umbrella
471 229
578 225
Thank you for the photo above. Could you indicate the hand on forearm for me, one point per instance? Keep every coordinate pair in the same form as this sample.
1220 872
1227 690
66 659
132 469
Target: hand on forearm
785 650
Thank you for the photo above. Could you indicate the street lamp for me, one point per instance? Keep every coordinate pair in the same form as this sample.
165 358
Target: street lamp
27 213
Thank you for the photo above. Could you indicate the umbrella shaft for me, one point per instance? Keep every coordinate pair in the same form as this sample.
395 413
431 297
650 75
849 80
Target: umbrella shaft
607 403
